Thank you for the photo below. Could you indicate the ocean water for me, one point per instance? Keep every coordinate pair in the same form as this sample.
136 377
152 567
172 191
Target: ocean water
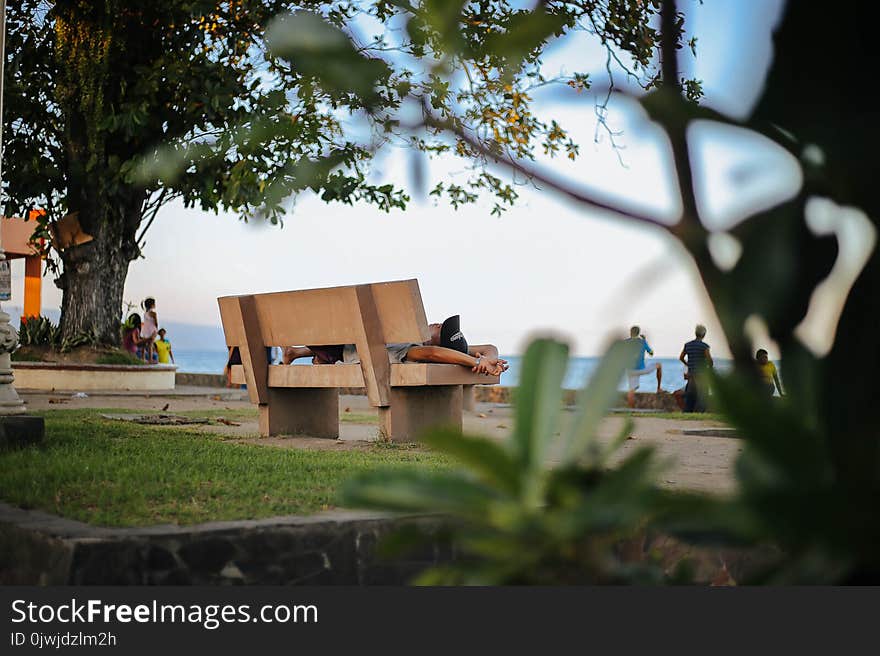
578 374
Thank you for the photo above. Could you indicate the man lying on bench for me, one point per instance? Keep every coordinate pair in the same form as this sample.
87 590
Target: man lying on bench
447 345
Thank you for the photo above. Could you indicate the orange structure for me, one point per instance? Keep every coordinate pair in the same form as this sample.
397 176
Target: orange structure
16 242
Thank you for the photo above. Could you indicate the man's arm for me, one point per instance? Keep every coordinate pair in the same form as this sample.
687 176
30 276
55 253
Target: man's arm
681 357
709 357
489 360
486 350
443 355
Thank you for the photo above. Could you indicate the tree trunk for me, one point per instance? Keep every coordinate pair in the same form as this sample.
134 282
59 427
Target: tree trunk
94 274
91 303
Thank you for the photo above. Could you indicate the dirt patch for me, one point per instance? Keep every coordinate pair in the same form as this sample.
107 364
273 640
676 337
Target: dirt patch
158 420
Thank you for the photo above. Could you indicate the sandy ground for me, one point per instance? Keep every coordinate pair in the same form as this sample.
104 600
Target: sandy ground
698 462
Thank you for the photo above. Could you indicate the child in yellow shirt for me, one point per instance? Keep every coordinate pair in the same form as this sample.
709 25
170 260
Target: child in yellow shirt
769 375
163 348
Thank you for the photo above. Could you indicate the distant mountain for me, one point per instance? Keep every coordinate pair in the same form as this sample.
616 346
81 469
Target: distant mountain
184 336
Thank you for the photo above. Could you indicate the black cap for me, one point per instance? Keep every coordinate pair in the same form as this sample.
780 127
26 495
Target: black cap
451 337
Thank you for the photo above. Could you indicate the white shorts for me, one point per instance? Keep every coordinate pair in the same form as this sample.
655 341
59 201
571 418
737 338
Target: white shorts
633 375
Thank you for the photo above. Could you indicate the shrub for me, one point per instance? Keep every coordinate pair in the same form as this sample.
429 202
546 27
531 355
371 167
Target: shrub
38 331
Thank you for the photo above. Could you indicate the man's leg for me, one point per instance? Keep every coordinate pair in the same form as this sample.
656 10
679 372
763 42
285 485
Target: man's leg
659 375
678 395
700 405
690 395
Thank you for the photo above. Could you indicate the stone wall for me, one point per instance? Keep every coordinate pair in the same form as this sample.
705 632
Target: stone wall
52 376
333 548
199 380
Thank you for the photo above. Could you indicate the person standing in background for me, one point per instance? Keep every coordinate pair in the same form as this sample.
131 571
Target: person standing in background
768 372
131 336
697 358
163 348
640 368
149 329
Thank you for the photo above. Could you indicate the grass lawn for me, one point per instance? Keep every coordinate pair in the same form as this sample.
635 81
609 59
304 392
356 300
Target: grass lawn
112 473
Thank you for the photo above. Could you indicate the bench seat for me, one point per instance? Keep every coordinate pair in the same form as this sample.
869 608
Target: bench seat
413 374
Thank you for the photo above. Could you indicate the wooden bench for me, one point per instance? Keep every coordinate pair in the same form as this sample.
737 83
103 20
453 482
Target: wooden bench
304 399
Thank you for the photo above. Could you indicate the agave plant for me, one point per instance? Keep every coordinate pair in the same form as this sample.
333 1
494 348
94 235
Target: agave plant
544 506
38 331
85 338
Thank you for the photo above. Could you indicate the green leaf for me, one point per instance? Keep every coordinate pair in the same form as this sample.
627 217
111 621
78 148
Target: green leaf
781 451
441 18
408 491
525 32
781 264
324 52
595 399
621 499
539 401
486 458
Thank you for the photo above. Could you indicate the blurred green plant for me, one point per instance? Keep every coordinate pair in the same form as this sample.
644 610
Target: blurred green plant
809 475
546 506
810 471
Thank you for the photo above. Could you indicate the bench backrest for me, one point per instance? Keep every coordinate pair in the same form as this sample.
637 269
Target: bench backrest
368 316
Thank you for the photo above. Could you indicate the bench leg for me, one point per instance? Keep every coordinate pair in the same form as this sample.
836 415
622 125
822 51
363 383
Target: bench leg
301 411
415 409
469 398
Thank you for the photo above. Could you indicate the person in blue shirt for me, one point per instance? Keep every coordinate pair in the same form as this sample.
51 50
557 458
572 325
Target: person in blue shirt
640 368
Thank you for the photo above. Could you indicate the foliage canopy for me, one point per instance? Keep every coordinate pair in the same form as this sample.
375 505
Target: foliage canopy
116 108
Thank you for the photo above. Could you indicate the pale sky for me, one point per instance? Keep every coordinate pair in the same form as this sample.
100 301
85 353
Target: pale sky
544 266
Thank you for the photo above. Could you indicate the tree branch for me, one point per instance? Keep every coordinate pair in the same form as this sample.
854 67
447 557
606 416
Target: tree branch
691 226
668 44
150 212
561 187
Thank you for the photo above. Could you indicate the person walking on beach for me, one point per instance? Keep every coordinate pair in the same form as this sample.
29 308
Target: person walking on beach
149 329
163 348
769 375
697 358
640 369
